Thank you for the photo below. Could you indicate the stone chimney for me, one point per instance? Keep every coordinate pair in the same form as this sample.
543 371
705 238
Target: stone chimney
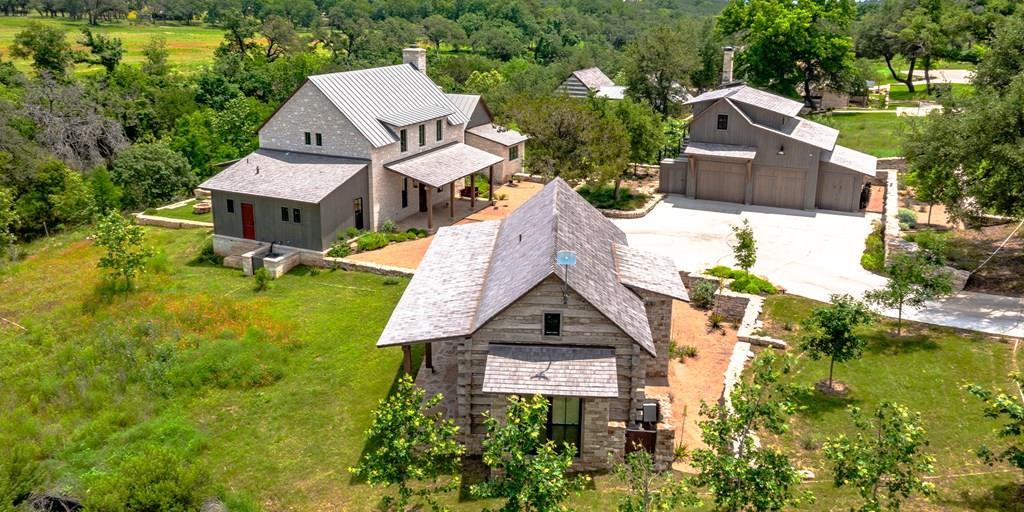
727 54
415 57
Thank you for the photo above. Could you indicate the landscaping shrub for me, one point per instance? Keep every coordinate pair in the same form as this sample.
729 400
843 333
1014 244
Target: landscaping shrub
907 217
682 352
263 279
934 244
339 250
391 281
154 477
420 233
703 294
715 321
372 241
388 226
873 258
754 285
604 197
351 233
743 282
228 364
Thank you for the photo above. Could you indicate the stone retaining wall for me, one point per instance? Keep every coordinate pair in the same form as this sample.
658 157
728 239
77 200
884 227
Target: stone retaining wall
634 214
362 266
167 222
741 309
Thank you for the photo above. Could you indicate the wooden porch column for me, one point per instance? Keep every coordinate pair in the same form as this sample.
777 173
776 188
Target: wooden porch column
451 200
490 184
472 191
407 359
430 208
430 357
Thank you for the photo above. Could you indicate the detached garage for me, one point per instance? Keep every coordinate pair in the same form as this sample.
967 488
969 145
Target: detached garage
721 171
841 179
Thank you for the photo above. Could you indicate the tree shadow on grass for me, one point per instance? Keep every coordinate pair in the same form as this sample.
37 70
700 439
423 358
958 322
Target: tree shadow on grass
892 345
814 404
369 446
1004 497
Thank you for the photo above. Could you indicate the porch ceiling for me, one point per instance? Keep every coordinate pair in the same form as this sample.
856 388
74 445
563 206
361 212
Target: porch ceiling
444 165
551 370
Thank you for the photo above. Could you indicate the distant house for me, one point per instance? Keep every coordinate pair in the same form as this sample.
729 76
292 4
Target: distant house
497 315
750 146
354 149
584 82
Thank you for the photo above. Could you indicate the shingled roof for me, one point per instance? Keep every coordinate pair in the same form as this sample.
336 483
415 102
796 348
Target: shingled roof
390 94
285 175
593 78
755 97
521 255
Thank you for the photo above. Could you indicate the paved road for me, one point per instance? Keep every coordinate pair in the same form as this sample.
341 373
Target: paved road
812 254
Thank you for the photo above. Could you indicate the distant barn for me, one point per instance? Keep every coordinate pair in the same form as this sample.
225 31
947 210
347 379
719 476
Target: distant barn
583 82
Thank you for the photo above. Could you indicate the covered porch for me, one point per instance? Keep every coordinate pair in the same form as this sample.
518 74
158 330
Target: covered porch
447 166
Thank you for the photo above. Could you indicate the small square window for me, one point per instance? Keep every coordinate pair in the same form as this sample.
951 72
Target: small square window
296 216
513 153
284 213
231 206
308 138
439 130
423 135
404 143
319 139
723 122
552 324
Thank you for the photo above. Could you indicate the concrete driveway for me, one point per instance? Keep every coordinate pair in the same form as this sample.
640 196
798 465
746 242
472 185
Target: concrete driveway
813 254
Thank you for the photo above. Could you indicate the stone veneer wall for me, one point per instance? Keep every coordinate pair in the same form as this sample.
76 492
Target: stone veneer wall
659 315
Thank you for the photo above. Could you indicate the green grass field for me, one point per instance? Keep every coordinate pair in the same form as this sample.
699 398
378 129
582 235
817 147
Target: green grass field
182 212
883 75
899 92
877 134
189 46
923 370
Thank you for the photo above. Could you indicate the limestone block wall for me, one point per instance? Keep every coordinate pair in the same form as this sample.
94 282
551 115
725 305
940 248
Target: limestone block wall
659 315
308 110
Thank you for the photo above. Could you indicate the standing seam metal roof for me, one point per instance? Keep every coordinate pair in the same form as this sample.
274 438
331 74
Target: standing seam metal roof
367 94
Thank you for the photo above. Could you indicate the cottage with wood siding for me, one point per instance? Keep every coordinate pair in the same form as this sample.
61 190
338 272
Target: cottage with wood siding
498 315
355 149
750 146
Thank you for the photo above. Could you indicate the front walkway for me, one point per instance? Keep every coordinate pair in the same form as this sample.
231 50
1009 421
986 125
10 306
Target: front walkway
408 254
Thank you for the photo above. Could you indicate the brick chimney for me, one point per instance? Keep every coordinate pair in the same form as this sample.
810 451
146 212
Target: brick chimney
727 54
415 57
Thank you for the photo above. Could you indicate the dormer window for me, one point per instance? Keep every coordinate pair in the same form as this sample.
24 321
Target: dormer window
723 122
438 129
308 138
423 135
404 141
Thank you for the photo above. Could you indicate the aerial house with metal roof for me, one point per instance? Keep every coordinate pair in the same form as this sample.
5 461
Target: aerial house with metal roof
552 301
350 149
752 147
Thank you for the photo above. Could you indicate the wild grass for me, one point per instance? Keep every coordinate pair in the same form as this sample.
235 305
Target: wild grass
923 370
190 46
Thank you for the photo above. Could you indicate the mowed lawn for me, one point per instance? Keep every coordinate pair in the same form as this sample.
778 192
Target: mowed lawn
189 46
183 212
874 133
923 370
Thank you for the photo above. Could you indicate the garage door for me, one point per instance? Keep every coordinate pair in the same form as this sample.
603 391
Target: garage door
838 191
721 181
782 188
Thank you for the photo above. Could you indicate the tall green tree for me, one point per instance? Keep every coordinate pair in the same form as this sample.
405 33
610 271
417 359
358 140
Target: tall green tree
658 64
1008 409
106 51
532 470
47 46
831 331
125 256
151 174
411 449
644 130
708 72
789 44
570 140
741 473
913 280
439 29
885 461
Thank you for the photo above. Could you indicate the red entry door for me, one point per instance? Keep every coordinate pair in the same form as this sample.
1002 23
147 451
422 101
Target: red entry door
248 224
